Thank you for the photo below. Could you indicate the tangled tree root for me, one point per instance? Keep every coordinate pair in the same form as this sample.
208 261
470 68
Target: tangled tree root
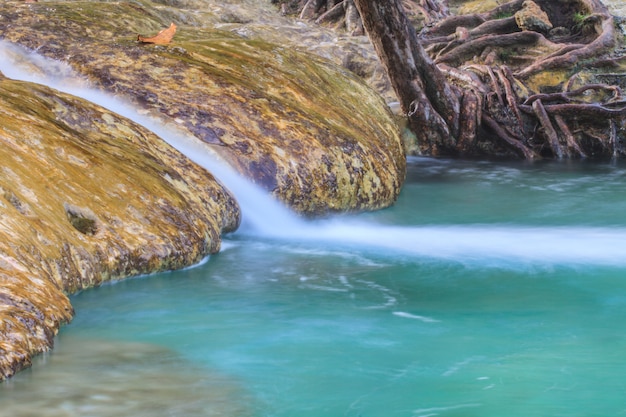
489 55
342 14
586 30
519 83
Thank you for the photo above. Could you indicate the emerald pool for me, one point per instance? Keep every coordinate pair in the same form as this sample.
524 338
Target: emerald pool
489 290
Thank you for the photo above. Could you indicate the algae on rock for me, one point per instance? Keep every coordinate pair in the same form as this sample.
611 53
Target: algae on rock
87 196
306 130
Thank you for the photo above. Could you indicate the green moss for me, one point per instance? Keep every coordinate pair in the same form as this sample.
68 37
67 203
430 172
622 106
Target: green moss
87 196
579 19
503 15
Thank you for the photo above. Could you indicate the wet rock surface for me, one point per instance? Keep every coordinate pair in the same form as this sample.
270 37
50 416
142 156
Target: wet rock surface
85 197
306 130
532 17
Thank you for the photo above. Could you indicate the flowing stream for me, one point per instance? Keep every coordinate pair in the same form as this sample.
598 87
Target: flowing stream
489 289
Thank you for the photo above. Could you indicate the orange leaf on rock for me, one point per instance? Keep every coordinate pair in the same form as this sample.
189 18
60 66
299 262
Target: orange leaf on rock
162 38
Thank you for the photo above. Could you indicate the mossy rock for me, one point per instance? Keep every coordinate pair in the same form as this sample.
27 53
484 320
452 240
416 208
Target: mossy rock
85 197
477 6
306 130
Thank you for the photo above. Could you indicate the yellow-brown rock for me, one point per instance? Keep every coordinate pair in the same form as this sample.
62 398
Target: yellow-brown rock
306 130
85 197
477 6
532 17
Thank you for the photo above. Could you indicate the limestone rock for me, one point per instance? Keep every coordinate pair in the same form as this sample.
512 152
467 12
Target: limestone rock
306 130
85 197
532 17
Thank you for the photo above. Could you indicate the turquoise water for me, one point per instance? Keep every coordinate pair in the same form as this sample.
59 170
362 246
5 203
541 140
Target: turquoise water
488 290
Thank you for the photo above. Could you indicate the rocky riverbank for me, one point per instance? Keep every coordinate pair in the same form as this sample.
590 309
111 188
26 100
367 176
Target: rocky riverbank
87 196
307 131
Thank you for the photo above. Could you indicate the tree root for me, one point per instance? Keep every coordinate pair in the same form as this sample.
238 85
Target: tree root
342 13
479 31
469 121
583 112
459 40
312 8
434 11
573 147
490 27
335 13
513 142
506 79
489 61
569 96
548 129
573 54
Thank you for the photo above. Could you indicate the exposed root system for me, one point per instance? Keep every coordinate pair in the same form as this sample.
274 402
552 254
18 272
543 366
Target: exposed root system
529 78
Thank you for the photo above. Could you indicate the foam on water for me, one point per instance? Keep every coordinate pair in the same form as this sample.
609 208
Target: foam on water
415 317
589 245
435 411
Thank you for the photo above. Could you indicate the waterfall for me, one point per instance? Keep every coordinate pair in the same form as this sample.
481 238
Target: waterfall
266 218
261 212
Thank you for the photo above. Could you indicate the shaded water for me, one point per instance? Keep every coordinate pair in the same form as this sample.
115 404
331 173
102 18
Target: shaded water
311 322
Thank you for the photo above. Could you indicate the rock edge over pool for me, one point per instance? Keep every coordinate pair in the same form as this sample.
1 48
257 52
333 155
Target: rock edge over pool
85 197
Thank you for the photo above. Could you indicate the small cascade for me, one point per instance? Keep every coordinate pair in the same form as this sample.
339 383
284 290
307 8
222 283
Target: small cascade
265 218
261 212
482 244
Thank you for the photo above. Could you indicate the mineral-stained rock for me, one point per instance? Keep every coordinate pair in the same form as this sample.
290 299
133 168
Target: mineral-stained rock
87 196
477 6
308 131
531 17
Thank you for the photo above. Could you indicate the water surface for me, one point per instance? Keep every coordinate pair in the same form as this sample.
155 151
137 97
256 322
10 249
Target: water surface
488 290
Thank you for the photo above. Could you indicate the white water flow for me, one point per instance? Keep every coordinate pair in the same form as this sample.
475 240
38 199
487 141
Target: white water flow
259 207
266 218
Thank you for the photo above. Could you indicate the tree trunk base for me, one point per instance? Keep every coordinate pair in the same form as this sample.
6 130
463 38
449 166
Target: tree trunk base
511 86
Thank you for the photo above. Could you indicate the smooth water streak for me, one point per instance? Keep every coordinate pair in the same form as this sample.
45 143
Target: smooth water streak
265 217
260 209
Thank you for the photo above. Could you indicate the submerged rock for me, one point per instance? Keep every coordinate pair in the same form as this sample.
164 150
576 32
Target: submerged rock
306 130
102 378
87 196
